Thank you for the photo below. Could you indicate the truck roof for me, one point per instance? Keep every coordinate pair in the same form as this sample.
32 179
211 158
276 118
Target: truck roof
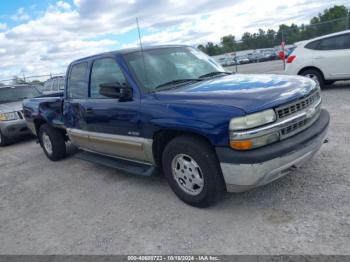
128 51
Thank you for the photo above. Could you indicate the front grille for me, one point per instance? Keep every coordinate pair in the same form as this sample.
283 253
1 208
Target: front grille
295 107
292 119
299 126
289 129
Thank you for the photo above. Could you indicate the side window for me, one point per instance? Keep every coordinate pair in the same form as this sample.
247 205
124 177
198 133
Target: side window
313 45
77 84
61 84
348 42
47 85
104 71
55 85
334 43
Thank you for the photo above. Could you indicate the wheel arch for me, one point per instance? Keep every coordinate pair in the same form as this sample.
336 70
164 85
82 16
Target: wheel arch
162 137
311 68
38 122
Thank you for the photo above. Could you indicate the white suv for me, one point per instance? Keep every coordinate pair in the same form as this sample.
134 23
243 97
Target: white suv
325 59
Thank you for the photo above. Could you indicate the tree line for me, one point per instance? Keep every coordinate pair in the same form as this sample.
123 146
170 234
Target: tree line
333 19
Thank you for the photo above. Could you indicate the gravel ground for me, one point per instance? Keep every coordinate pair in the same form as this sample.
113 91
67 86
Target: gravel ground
75 207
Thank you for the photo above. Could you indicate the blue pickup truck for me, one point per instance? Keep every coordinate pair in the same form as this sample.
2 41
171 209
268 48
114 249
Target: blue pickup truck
174 109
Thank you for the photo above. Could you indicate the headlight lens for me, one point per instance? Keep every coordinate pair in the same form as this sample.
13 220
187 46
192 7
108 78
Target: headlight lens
254 142
8 116
253 120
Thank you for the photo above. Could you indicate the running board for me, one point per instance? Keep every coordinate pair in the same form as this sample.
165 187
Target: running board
134 168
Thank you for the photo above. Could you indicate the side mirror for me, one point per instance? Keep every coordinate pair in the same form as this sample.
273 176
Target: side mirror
115 90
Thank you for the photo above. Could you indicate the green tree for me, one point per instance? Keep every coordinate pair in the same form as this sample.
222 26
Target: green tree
228 43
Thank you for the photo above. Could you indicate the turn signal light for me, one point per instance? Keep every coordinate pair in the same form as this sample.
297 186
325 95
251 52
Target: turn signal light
242 144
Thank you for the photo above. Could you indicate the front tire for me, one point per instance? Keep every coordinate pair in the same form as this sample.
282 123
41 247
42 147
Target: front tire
53 142
193 171
314 75
4 141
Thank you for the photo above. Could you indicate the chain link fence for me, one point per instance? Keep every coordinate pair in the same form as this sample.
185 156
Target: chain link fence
30 79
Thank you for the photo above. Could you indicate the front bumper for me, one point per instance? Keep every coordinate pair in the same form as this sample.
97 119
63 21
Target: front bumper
249 169
15 128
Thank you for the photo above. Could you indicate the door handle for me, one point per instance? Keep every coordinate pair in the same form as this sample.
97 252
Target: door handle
319 57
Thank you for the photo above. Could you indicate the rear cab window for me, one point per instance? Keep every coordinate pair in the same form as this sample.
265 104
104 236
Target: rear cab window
77 86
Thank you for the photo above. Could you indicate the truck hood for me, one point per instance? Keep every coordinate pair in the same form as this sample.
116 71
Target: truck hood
11 107
249 92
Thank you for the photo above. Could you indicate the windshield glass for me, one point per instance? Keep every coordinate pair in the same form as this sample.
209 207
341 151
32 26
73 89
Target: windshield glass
17 93
153 68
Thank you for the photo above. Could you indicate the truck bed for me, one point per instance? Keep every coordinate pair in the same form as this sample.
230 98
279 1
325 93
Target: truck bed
47 108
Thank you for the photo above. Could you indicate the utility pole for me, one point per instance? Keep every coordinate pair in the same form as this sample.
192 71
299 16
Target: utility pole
347 20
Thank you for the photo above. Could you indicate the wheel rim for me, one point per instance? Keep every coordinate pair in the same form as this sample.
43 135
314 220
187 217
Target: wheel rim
313 77
187 174
47 143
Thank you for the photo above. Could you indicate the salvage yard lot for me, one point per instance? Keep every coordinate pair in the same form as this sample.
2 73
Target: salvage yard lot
76 207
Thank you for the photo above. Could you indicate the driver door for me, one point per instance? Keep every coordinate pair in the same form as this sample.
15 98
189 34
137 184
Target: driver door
112 123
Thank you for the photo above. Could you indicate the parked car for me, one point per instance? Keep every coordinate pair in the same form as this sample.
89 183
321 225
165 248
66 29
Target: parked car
208 130
242 60
12 122
324 59
227 61
53 85
269 56
255 57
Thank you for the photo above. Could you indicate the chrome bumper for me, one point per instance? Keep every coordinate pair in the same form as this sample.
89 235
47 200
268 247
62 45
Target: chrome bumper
242 177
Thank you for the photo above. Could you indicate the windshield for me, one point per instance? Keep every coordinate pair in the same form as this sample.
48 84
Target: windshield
153 68
17 93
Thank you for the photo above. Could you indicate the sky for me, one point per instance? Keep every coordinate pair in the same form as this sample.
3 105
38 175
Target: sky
44 36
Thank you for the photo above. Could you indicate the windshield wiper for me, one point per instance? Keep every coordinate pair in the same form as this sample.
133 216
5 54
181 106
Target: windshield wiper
214 74
178 81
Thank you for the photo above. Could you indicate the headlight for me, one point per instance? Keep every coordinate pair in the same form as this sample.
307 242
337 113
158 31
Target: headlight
252 120
8 116
255 142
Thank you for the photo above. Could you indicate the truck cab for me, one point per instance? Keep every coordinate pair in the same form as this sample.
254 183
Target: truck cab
174 110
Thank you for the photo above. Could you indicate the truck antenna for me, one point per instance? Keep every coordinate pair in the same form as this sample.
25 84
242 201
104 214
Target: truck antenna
141 47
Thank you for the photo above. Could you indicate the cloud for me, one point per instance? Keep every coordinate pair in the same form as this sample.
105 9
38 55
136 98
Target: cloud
20 15
63 5
3 26
67 31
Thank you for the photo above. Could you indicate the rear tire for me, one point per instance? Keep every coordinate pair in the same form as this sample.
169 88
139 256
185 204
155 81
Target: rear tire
193 171
314 75
4 141
53 142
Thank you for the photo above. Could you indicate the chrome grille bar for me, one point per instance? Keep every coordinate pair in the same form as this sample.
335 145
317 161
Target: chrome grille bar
290 109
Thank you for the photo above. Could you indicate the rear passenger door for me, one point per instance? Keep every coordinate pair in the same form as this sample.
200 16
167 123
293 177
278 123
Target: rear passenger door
333 56
74 108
